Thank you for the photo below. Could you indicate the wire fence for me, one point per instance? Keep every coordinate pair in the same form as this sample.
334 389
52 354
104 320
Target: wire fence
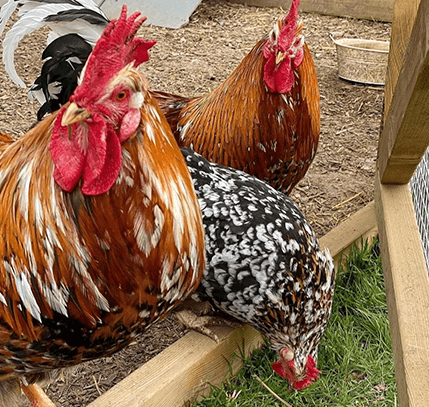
420 191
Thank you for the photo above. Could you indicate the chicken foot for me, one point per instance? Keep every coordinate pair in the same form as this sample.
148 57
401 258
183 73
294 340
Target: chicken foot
188 318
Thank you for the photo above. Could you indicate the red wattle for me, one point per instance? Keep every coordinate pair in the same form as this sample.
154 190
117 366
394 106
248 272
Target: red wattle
91 152
311 373
110 170
268 70
67 154
278 368
97 149
281 371
278 78
302 384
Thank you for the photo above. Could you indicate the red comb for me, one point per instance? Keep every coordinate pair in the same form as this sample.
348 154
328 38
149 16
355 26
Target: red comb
290 22
292 15
116 48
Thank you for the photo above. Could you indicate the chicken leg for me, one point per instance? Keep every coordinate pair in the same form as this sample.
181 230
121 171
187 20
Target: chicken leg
37 396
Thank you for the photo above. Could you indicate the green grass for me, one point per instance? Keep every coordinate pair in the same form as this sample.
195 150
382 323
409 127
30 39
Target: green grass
355 354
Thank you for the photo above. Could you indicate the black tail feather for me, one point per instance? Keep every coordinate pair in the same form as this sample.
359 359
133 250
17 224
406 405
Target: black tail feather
65 58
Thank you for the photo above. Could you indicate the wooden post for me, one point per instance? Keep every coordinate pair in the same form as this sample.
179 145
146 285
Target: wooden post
407 286
403 142
404 15
405 135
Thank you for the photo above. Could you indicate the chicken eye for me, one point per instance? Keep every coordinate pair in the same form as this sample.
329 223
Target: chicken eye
121 95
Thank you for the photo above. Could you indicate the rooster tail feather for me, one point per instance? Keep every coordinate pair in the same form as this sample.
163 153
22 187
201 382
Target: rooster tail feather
83 17
29 22
6 11
25 25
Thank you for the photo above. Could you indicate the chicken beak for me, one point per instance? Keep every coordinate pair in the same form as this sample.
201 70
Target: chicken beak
280 56
74 114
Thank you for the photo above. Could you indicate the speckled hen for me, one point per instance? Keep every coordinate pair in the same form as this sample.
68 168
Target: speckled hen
264 265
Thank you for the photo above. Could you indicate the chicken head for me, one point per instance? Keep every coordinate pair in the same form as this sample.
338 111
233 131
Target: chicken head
287 368
283 52
105 111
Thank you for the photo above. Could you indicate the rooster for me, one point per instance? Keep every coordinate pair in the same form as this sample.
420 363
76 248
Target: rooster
264 119
101 233
264 266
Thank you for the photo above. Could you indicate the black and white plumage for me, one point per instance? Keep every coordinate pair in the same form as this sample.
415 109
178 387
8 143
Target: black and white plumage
64 58
264 265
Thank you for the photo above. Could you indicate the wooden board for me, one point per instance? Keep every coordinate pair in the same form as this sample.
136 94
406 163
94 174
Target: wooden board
405 135
184 370
404 15
360 226
407 286
381 10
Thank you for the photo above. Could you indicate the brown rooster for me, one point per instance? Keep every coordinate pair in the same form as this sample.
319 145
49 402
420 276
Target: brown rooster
101 231
264 119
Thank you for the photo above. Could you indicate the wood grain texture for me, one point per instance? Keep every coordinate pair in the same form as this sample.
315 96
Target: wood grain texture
404 15
360 226
407 287
381 10
183 370
404 138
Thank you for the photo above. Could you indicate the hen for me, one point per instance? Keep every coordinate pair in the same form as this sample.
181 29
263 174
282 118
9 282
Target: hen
264 265
101 232
264 119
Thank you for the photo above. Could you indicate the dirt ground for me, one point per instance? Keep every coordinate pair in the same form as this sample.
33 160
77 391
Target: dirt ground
192 61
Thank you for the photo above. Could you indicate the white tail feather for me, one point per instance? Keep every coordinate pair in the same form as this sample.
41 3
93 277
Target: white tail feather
32 16
29 22
89 32
5 13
